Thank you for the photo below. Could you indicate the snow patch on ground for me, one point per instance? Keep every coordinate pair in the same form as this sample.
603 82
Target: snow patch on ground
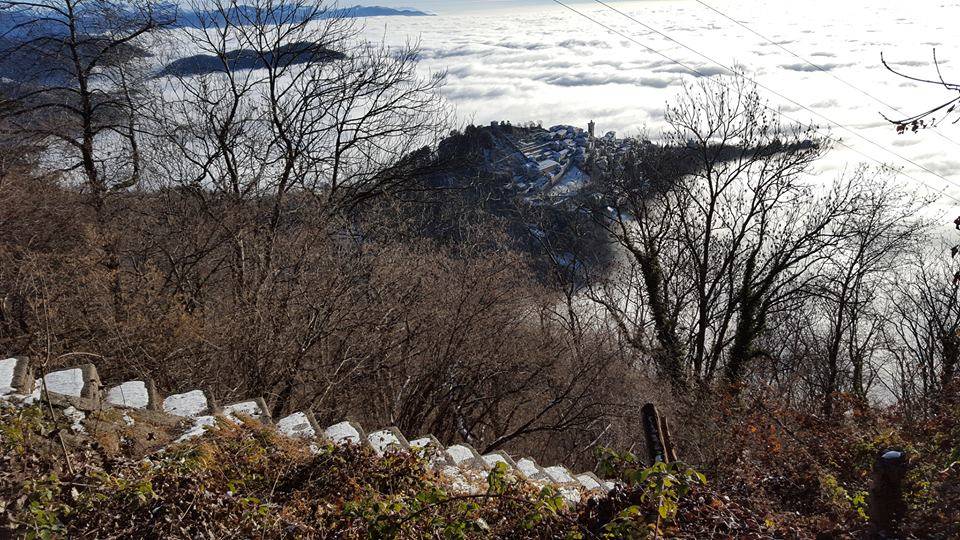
76 418
571 495
200 425
588 481
463 481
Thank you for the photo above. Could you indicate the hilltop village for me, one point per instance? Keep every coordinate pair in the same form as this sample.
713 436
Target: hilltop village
556 162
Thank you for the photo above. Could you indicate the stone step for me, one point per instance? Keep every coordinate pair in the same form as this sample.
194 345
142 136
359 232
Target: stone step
254 408
78 382
560 475
430 448
531 470
460 461
464 456
499 457
135 395
16 376
387 439
590 481
300 425
345 432
188 404
425 442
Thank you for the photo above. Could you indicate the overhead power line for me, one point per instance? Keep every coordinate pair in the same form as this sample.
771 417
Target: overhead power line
775 111
771 90
816 66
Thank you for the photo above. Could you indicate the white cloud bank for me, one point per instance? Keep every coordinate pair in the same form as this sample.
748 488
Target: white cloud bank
547 64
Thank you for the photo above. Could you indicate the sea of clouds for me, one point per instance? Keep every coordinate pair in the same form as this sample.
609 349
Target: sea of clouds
547 64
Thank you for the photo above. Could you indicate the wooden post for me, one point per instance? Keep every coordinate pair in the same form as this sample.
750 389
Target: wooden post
667 440
651 429
887 508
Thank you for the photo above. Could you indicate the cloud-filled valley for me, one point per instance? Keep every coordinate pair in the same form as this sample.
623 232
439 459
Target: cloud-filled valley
550 65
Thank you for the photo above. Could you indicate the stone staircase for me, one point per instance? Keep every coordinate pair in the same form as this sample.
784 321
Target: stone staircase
78 392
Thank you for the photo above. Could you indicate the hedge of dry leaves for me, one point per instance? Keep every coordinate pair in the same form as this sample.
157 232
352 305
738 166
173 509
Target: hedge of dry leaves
791 476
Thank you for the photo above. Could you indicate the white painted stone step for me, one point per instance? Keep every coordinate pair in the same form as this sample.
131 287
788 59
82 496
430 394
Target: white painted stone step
68 382
430 448
560 475
589 481
251 408
531 470
7 368
344 432
132 394
386 439
426 442
468 471
298 425
463 455
188 404
499 457
459 453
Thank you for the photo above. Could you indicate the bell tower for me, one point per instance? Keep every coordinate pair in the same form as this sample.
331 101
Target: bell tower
591 129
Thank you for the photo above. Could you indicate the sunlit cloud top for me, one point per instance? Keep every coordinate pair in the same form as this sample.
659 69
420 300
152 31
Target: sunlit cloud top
544 63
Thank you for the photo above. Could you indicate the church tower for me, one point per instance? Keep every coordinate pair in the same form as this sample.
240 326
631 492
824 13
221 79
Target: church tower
591 128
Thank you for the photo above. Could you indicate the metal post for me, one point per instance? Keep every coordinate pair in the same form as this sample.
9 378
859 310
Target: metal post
651 429
887 508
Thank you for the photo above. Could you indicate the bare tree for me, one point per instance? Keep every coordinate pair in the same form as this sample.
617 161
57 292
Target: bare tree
262 157
319 114
852 291
721 229
923 330
926 117
75 74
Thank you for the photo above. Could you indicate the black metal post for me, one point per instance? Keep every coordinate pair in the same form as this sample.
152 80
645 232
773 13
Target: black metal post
887 508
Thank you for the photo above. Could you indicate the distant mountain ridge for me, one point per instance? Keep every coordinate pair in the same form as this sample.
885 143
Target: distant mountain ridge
287 55
28 22
194 19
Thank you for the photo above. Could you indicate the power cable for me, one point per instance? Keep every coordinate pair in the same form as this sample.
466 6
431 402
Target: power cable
816 66
767 88
695 71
